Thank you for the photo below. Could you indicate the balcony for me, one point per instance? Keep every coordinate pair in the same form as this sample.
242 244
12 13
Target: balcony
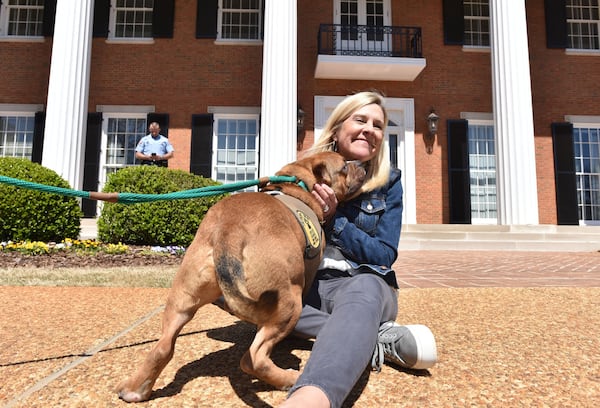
379 53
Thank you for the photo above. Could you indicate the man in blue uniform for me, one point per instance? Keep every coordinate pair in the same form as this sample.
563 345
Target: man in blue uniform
154 149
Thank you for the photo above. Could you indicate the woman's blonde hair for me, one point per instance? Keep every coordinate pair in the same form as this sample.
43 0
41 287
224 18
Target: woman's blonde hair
378 168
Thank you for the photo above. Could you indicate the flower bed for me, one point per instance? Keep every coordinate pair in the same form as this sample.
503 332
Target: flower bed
85 246
84 253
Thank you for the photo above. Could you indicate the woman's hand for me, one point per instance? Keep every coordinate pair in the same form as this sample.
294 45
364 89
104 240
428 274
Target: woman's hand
326 197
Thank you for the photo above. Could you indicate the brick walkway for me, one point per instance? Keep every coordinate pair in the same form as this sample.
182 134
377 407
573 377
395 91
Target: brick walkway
438 269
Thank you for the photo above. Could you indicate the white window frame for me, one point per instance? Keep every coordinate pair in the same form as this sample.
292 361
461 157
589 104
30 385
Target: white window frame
236 41
482 119
478 20
116 112
589 122
112 24
235 114
20 111
5 10
581 22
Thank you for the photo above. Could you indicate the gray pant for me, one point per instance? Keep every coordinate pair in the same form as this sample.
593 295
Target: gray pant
344 314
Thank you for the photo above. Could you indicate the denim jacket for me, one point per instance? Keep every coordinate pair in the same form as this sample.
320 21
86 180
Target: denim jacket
367 229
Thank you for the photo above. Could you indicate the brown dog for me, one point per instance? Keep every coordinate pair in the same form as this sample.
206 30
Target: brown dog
251 248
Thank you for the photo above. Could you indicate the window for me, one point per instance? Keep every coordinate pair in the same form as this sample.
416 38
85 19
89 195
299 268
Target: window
586 142
363 27
21 18
240 19
349 19
120 136
393 143
236 156
362 12
375 18
16 135
482 170
131 19
583 20
477 23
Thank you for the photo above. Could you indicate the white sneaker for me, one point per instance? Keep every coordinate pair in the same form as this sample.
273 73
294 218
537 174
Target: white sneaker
412 346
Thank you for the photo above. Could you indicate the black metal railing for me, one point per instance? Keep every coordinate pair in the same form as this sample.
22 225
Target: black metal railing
372 41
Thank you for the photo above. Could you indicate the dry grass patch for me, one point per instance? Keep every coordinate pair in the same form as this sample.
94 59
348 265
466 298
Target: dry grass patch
137 276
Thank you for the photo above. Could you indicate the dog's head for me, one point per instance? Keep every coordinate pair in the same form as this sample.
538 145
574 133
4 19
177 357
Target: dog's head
344 177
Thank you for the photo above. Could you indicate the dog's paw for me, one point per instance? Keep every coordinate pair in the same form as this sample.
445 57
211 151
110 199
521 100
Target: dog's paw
127 395
291 378
130 396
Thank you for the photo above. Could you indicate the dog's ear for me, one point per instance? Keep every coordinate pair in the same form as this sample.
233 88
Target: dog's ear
322 174
331 166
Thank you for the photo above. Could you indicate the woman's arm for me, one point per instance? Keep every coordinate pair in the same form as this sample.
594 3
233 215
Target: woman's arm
379 247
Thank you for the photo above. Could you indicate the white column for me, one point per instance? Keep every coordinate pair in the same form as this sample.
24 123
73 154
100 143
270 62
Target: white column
513 114
66 113
278 132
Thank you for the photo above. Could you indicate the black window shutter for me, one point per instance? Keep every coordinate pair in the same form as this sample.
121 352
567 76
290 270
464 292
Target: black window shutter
91 166
206 19
458 172
162 119
202 136
38 137
163 17
101 16
556 23
262 25
454 22
49 16
564 174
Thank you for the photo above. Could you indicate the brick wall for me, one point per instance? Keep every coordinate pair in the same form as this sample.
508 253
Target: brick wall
24 71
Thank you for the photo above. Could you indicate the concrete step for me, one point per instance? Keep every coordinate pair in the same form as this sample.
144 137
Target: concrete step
552 238
556 238
89 230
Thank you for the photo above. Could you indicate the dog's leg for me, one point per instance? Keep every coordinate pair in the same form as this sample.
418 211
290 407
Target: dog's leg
257 361
139 387
187 295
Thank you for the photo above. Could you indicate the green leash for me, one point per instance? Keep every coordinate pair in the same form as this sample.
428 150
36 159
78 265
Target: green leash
133 198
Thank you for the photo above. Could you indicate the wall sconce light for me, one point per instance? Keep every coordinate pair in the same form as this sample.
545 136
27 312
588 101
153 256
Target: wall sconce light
432 129
300 119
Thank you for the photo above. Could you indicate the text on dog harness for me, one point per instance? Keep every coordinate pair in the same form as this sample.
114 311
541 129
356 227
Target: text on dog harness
307 220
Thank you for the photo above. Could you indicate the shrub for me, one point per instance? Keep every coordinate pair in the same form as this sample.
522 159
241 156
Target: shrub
34 215
171 222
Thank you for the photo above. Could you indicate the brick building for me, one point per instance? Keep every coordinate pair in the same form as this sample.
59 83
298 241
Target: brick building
242 87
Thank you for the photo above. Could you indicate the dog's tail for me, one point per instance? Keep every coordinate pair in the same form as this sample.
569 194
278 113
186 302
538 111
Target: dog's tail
231 278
